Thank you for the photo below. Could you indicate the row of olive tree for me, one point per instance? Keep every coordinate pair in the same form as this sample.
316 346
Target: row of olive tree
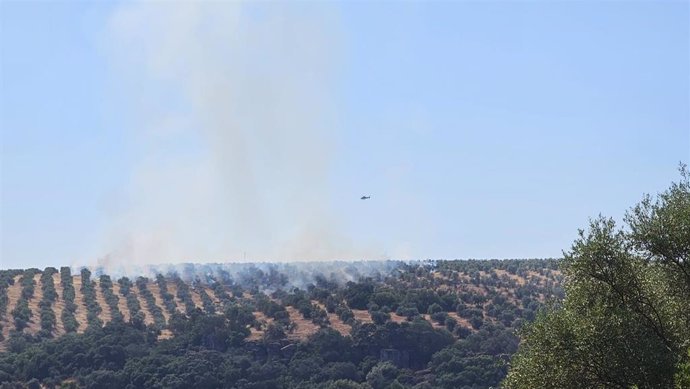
69 321
48 318
21 312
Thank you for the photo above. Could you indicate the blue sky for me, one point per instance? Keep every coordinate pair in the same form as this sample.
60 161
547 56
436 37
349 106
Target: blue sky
481 130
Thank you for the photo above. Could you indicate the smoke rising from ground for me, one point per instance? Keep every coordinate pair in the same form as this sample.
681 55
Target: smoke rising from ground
233 120
269 277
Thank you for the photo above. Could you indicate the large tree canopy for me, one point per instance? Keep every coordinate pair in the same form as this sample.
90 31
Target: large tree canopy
625 319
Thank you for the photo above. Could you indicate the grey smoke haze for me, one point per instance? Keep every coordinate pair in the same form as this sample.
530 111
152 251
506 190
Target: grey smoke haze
264 275
234 157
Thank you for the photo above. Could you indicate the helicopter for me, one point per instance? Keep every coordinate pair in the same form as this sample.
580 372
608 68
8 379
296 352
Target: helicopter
365 197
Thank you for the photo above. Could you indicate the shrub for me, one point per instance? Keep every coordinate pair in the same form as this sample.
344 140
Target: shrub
380 318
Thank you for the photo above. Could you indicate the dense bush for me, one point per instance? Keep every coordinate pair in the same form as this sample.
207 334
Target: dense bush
358 294
345 314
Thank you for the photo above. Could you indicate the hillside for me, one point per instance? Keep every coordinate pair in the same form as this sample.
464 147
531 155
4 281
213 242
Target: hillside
273 306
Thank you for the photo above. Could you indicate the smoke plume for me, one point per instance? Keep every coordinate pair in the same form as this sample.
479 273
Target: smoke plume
233 119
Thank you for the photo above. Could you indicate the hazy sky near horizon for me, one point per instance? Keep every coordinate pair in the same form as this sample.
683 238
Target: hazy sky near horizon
181 131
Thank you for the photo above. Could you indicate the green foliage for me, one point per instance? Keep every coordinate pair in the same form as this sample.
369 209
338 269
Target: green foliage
48 319
136 316
345 314
222 294
69 322
624 322
380 318
6 279
168 298
358 294
21 312
110 298
154 309
206 301
346 384
476 361
450 324
209 349
185 296
88 290
682 378
382 375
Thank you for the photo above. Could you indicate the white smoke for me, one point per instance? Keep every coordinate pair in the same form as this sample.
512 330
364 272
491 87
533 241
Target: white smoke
233 117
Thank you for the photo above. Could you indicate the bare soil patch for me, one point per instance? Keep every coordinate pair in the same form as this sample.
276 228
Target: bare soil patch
336 323
165 334
305 327
258 334
398 319
362 315
461 320
519 280
433 323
